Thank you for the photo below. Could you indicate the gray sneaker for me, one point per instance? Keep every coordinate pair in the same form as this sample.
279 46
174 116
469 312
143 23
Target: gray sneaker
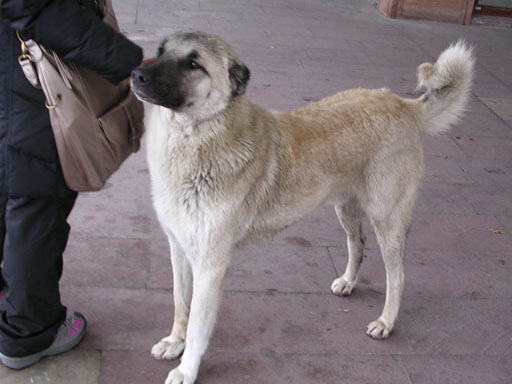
69 335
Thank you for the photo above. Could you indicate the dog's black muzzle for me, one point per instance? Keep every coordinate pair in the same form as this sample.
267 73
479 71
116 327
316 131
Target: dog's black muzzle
151 84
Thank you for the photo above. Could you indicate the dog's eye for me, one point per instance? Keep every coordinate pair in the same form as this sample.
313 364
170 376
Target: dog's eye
161 49
193 64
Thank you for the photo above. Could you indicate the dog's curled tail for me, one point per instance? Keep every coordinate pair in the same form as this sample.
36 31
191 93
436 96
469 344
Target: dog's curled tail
448 86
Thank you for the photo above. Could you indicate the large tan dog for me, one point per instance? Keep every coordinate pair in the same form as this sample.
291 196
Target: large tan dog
226 172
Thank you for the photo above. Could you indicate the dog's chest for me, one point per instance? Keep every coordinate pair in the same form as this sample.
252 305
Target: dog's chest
182 195
187 182
182 180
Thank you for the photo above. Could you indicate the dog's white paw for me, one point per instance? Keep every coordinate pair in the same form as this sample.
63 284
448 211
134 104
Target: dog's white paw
177 377
166 349
378 329
342 287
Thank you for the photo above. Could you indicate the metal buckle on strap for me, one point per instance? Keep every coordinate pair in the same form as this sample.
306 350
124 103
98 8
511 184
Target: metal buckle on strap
24 50
57 102
24 57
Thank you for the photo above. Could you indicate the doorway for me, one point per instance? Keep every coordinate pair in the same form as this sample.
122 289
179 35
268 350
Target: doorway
501 8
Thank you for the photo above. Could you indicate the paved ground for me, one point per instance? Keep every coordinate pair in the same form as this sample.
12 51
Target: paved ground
279 323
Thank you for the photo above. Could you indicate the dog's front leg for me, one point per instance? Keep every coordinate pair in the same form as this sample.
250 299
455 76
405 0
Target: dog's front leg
208 281
172 346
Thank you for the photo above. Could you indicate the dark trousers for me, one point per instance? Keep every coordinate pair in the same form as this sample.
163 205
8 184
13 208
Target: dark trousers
33 235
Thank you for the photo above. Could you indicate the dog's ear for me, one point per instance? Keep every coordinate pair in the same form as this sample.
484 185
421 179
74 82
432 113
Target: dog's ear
239 76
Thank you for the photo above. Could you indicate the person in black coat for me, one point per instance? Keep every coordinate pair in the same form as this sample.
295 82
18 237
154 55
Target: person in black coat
34 199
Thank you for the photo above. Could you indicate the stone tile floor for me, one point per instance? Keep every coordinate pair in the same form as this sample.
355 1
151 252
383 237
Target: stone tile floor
278 322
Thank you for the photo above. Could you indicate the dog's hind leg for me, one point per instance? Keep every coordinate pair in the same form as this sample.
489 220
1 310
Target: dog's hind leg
172 346
391 223
391 234
350 217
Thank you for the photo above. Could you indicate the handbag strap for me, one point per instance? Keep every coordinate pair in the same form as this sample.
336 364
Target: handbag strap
26 55
27 63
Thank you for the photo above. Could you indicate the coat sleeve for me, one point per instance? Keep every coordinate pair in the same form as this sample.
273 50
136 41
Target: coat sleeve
74 33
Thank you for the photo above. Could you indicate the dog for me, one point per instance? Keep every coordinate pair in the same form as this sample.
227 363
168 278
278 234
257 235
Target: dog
227 173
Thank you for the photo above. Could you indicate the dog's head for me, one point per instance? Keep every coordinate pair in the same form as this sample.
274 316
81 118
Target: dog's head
194 73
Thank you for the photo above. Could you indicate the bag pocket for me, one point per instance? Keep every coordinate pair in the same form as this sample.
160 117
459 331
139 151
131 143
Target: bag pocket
123 124
122 128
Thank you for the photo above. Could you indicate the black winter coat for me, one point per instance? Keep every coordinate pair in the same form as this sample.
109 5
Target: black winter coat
29 165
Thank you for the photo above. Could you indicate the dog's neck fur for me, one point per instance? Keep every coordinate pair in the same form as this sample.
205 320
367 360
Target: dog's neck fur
201 130
179 122
192 126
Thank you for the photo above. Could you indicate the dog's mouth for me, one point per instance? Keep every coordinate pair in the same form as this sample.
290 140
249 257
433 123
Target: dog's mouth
140 94
143 95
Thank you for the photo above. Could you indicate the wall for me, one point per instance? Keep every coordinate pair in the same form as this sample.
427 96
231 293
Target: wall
454 11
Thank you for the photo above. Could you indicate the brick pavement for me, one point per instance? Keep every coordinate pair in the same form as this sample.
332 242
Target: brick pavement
278 322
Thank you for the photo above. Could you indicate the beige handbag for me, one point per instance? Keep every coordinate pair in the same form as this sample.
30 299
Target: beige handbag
96 125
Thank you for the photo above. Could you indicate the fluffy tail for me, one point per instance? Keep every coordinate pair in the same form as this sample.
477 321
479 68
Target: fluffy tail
448 85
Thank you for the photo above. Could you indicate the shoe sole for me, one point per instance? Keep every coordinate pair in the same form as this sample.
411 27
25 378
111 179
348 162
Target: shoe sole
18 363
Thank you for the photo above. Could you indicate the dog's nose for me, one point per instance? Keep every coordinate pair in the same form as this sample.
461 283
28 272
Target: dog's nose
141 75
